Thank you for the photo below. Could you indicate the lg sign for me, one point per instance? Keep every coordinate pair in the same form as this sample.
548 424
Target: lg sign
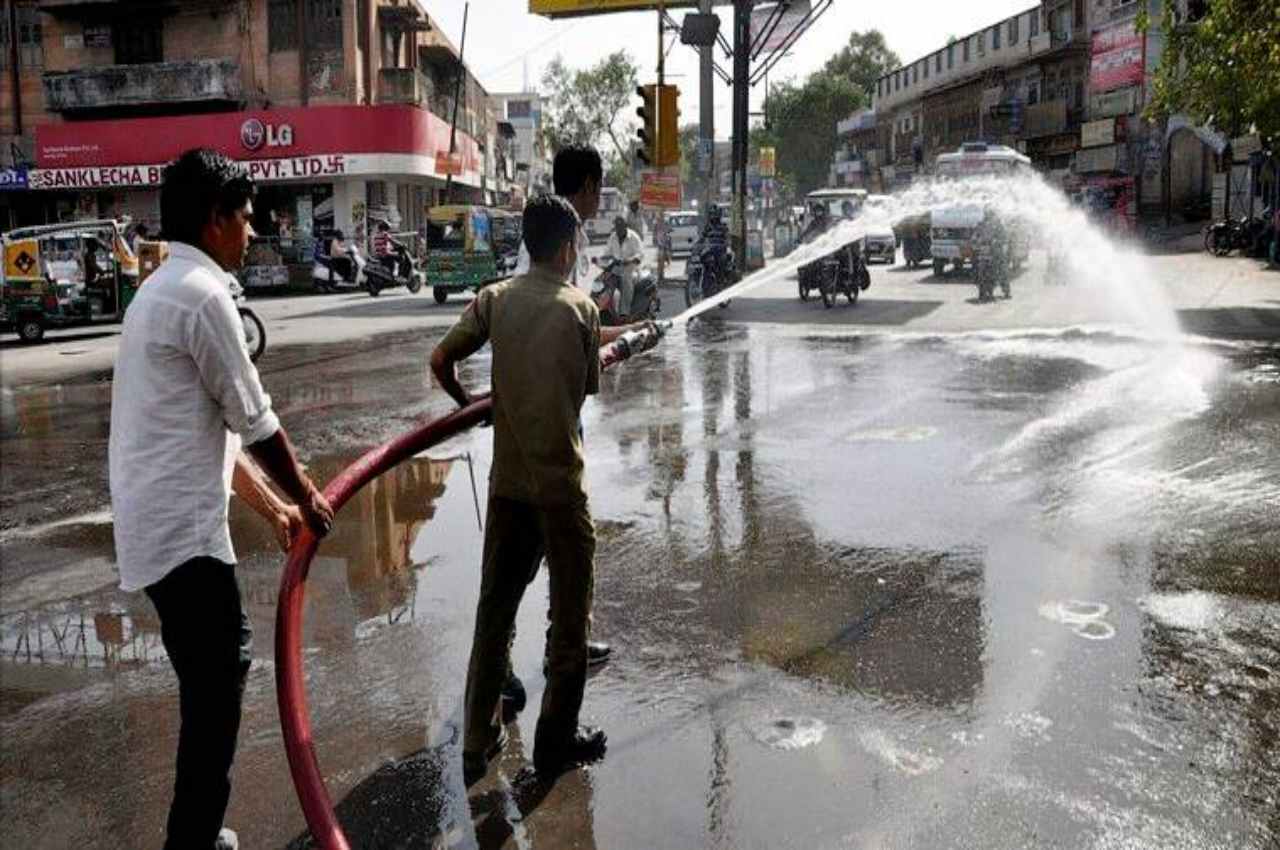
254 134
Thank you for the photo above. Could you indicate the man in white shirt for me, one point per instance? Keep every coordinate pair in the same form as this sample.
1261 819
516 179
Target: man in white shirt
184 396
626 247
576 175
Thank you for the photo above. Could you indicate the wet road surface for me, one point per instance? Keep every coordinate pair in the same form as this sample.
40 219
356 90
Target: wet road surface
865 588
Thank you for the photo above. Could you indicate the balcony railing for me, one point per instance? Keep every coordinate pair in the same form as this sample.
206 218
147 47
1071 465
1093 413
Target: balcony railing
117 86
404 85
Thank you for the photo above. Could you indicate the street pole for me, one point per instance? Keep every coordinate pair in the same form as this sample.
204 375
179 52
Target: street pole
707 118
457 97
741 107
657 104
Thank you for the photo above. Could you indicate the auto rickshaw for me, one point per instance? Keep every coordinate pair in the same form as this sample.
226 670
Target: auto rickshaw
913 232
462 251
65 275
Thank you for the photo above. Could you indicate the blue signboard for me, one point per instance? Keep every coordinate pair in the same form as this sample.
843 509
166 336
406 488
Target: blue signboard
13 179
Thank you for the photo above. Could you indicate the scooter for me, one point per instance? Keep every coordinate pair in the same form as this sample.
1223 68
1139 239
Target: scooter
607 288
404 271
255 333
328 276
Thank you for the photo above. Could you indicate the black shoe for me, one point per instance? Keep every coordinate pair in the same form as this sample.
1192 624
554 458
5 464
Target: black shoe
588 744
597 652
514 698
476 765
226 840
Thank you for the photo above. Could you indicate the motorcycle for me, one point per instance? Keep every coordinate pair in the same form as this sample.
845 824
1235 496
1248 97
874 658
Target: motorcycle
396 269
1234 234
708 271
607 288
255 333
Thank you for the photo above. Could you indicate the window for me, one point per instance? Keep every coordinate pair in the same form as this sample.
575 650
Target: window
897 80
30 37
324 24
995 37
966 49
926 69
982 43
282 25
937 65
951 56
915 74
1079 15
1033 94
1013 31
1033 24
519 109
138 41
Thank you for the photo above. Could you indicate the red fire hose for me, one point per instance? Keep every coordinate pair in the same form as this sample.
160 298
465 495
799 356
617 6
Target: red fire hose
291 692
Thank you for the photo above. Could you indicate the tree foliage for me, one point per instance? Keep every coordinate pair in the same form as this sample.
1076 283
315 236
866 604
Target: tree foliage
801 124
864 60
583 106
1223 70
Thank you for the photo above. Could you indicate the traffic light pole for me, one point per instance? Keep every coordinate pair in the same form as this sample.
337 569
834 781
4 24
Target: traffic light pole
707 120
741 108
662 66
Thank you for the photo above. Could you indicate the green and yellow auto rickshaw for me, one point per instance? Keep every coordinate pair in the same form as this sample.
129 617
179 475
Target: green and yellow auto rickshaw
65 275
466 250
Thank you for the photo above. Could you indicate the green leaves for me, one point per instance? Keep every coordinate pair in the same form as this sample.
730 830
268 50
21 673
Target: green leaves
584 106
1224 68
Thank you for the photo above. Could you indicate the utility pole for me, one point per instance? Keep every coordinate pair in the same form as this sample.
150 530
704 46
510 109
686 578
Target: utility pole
741 120
457 97
707 120
662 68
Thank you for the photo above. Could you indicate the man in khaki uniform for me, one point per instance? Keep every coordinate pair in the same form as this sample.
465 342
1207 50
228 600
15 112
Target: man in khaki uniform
546 338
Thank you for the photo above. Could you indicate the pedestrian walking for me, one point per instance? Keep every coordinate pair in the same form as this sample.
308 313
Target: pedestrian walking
184 397
546 337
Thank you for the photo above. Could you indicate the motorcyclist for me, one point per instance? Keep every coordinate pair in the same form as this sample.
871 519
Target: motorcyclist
713 246
819 221
339 257
625 247
391 252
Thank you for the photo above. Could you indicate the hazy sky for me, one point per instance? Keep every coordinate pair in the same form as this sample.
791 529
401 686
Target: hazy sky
503 39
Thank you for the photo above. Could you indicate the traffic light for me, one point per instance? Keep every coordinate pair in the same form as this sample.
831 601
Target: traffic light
648 132
668 126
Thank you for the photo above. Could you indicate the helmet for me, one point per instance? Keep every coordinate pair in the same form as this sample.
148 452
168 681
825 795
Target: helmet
714 214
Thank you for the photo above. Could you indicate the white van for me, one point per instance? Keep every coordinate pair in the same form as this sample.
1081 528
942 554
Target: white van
683 228
612 205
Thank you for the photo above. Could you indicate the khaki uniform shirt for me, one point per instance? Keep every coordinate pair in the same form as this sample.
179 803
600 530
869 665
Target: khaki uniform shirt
545 335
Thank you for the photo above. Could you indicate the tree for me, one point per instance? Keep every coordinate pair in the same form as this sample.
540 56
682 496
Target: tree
582 106
802 125
864 60
1223 70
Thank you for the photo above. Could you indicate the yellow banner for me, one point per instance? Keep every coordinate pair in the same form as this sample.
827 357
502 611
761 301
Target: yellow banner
569 8
768 158
22 260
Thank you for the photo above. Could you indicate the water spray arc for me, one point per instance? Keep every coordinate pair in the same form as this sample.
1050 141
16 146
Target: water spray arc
291 691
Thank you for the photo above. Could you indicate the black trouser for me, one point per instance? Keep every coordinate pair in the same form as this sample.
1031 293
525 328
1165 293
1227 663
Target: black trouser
209 641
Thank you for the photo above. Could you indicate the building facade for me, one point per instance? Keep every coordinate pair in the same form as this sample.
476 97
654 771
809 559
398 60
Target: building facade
1065 82
523 112
344 110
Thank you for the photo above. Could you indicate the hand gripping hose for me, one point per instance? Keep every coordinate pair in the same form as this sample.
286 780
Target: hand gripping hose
291 692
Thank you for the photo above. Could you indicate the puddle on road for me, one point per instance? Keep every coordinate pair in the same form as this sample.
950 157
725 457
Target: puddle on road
806 588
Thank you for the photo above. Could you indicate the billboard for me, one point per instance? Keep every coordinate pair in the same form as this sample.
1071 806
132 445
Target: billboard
569 8
1117 58
768 162
659 191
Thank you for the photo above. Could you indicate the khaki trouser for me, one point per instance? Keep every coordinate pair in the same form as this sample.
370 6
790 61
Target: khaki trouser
517 535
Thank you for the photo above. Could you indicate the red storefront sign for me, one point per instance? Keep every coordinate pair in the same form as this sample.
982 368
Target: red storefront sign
659 191
307 141
1118 58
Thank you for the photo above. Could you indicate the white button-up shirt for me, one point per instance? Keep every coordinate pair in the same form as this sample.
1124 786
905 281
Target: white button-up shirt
183 381
581 273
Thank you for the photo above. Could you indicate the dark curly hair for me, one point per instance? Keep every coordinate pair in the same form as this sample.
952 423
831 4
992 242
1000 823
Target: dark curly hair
549 222
197 184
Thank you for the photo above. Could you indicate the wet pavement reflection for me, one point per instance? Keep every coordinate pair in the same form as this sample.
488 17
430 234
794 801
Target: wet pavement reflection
978 590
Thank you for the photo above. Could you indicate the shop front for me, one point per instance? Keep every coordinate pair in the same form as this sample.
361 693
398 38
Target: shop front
317 168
